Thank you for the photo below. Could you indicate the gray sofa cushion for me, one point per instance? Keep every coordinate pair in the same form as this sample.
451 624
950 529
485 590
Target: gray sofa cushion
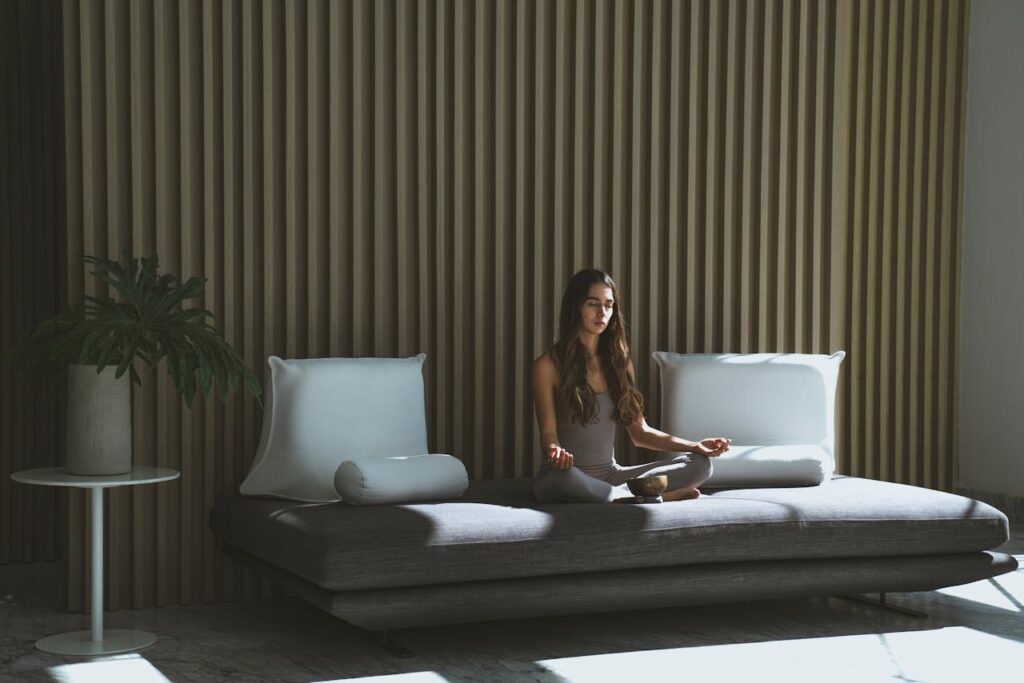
498 531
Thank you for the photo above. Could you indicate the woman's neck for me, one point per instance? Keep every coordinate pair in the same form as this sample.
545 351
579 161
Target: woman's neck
589 342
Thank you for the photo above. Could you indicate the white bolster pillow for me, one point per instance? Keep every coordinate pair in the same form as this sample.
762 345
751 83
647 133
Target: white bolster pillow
400 479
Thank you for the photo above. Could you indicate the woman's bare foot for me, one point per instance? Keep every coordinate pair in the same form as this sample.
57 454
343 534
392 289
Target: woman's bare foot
680 494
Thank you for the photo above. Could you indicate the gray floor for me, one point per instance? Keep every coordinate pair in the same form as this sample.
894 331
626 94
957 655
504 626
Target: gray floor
973 632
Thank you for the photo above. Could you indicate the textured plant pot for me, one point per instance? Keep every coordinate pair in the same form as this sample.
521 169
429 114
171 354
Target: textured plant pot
99 435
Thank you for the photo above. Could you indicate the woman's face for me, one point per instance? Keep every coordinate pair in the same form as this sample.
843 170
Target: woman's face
597 309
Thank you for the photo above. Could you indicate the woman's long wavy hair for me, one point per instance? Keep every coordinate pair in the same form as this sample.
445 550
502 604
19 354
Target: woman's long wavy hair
576 399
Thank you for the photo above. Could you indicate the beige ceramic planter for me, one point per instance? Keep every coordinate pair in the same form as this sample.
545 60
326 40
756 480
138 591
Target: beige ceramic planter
99 436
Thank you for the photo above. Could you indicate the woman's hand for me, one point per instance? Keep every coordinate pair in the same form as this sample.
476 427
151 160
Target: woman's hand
559 458
712 447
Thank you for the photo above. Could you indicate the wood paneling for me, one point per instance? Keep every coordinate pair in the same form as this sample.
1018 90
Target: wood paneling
385 178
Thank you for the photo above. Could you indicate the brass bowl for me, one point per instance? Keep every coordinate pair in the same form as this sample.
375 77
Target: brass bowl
648 486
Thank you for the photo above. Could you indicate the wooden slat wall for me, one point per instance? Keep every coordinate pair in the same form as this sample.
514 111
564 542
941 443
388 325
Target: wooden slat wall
899 184
384 178
32 280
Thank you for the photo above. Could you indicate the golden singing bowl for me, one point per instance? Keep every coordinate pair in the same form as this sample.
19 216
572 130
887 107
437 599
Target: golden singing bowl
648 486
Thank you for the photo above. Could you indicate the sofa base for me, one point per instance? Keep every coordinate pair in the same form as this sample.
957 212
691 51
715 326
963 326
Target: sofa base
405 607
881 603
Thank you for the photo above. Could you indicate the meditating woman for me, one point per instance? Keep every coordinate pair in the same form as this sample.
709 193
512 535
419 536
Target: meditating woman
583 387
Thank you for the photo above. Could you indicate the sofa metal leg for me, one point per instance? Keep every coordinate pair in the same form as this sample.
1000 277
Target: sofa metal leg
382 639
881 602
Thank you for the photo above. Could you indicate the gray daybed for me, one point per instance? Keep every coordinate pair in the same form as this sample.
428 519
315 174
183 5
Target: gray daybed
497 554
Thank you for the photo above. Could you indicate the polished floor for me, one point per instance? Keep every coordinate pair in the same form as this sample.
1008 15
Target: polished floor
972 633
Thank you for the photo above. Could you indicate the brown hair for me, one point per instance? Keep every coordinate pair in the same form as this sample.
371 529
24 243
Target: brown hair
575 397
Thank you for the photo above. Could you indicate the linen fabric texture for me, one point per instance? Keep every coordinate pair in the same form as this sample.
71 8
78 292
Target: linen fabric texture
778 409
322 411
701 584
498 531
401 479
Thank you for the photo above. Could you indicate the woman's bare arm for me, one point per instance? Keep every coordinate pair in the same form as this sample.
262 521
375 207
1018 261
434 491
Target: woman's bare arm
545 379
645 436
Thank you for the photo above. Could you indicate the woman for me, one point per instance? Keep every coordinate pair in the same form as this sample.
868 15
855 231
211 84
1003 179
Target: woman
585 385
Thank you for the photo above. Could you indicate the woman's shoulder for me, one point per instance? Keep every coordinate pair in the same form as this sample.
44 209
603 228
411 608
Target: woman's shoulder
544 365
544 360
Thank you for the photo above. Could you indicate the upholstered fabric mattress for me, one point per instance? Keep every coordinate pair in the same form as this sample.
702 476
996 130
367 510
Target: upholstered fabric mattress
497 531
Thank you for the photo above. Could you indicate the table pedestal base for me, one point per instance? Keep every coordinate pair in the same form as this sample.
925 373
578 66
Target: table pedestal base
81 643
110 641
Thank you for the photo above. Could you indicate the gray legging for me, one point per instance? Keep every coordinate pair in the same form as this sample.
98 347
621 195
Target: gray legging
573 485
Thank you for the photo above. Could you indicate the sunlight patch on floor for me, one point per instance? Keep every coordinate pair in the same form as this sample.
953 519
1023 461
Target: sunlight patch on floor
133 668
1005 592
938 656
414 677
954 655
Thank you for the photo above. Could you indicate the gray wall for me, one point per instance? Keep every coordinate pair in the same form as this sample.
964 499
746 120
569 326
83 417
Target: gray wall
992 314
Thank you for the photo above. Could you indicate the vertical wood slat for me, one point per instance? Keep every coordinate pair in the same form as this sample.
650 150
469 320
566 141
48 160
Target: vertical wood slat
539 124
732 141
214 227
871 192
901 210
502 253
317 173
483 271
462 161
918 230
839 276
119 183
888 243
524 429
766 189
676 181
189 542
958 30
636 225
803 186
364 178
228 134
143 241
404 180
426 188
855 232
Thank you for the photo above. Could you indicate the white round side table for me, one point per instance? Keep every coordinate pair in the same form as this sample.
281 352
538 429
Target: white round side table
95 641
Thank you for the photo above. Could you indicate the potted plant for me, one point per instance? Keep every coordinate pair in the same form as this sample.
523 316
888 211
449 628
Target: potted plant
100 339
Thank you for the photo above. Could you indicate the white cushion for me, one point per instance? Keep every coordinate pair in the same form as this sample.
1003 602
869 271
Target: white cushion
401 479
771 466
322 411
778 409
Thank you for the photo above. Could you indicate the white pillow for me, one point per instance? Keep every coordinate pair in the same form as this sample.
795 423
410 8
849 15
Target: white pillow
401 479
322 411
771 466
778 409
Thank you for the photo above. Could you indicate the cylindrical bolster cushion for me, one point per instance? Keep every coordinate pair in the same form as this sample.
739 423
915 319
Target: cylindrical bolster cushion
400 479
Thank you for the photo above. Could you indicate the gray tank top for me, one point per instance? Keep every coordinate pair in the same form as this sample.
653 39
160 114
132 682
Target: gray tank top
592 445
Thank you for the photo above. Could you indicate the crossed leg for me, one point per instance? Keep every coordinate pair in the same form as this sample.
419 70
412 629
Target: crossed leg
685 473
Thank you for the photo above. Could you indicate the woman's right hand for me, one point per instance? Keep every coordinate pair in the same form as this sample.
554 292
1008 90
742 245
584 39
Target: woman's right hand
559 458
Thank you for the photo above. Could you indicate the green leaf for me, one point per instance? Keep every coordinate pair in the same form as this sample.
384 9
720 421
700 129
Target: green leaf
146 318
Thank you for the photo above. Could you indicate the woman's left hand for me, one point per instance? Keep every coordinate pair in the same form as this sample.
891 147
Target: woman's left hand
712 447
